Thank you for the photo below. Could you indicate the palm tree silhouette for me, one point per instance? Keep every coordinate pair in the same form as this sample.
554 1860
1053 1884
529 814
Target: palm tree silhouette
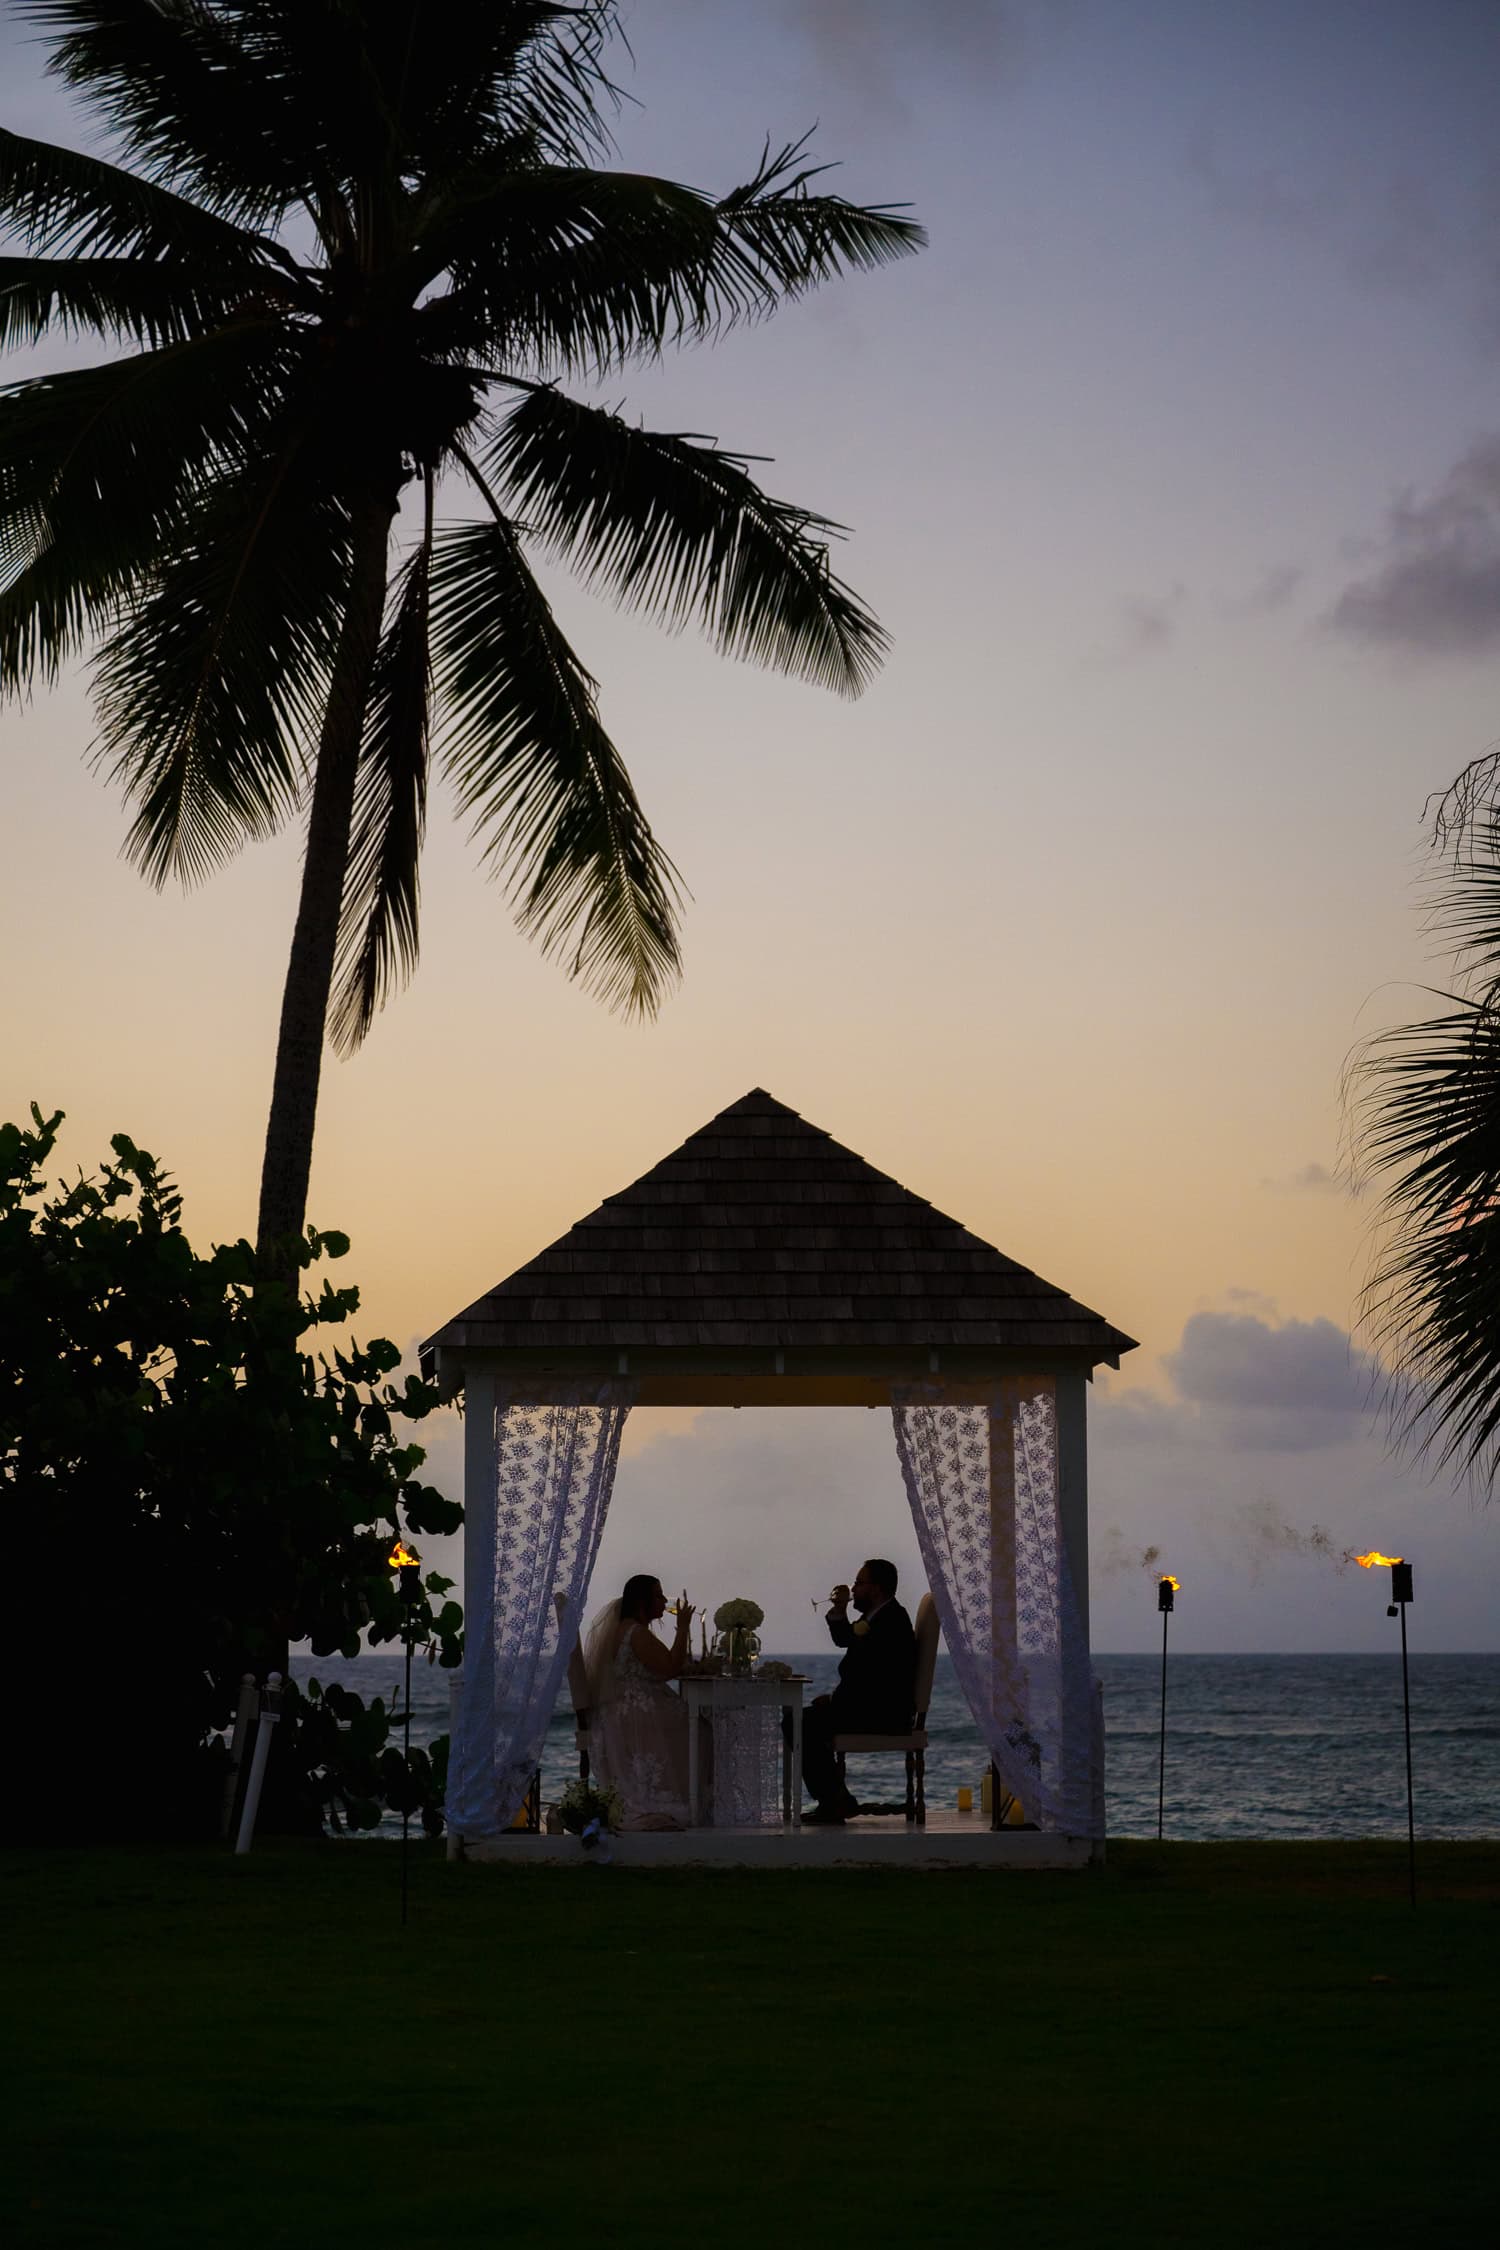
352 248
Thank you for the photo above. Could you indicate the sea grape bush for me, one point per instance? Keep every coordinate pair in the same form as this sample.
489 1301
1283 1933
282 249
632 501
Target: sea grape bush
354 1770
190 1487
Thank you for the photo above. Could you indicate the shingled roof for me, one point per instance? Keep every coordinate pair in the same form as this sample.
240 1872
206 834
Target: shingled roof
762 1230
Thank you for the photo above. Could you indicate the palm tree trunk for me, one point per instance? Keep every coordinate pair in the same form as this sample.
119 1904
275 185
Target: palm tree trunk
309 976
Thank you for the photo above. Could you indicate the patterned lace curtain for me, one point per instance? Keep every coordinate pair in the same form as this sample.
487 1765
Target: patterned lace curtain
554 1472
983 1484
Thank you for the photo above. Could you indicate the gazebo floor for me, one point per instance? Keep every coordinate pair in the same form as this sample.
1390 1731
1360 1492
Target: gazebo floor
950 1839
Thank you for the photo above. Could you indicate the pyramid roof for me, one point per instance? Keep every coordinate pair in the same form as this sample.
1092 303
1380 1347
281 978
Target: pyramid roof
762 1231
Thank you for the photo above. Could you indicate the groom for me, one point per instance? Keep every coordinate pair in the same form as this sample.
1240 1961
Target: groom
877 1681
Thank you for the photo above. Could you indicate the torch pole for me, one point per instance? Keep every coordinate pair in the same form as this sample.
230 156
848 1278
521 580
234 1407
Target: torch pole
1411 1820
406 1799
1161 1766
1402 1591
407 1565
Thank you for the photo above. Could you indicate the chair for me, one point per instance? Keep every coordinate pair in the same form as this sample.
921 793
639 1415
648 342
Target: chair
914 1745
578 1693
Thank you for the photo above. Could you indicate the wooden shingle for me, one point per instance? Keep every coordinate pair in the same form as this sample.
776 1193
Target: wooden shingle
761 1230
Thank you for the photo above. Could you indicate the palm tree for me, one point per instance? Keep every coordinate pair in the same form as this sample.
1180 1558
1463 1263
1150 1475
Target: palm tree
1427 1114
352 248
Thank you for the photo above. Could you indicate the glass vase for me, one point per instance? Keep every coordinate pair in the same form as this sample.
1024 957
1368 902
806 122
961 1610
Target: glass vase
740 1651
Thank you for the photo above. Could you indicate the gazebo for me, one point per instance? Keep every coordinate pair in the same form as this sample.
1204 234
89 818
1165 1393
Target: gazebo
760 1264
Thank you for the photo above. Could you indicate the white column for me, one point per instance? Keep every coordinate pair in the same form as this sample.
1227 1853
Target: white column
1073 1510
1073 1484
477 1700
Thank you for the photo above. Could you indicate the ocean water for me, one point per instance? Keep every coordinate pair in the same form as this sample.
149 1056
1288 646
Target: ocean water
1257 1746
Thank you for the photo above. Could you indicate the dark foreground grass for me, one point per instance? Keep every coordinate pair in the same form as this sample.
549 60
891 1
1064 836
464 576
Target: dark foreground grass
1201 2044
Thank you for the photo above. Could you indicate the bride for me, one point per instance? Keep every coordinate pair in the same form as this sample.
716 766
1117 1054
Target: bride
638 1729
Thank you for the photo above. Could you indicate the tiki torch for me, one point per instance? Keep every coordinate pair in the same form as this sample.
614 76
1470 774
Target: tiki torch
1167 1588
1401 1594
406 1563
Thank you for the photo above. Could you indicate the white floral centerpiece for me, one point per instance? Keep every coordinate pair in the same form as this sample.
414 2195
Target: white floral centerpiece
737 1621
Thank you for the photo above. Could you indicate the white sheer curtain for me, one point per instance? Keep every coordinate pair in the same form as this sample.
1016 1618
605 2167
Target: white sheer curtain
554 1468
982 1479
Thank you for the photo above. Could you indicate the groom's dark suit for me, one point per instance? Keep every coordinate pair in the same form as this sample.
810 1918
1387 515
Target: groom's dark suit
874 1695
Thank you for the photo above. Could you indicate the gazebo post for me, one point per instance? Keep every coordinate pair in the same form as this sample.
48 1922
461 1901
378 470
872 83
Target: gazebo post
479 1536
1073 1515
1073 1483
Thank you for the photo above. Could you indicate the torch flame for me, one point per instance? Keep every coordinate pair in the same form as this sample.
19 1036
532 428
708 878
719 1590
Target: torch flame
1372 1559
401 1557
1168 1580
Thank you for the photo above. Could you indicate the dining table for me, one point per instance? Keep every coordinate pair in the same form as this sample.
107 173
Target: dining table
736 1712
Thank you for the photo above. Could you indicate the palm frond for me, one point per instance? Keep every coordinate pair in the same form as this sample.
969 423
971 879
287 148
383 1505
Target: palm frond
672 525
795 239
588 270
162 302
550 82
1428 1109
550 798
101 469
1463 899
258 107
212 687
181 83
378 933
516 74
64 203
571 265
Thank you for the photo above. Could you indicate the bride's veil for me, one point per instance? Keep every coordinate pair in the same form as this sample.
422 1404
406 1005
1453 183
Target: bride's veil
599 1653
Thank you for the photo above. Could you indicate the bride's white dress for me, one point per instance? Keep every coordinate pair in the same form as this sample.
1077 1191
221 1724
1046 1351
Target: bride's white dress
638 1741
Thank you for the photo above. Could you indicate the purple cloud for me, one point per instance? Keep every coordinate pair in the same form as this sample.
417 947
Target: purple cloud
1436 589
1290 1389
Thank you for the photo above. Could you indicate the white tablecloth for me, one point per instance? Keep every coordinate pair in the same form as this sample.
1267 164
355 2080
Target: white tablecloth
756 1778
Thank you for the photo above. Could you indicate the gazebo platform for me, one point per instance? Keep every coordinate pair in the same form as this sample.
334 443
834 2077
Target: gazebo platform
950 1839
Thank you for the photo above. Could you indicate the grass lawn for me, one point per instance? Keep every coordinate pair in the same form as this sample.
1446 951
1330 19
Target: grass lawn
1205 2044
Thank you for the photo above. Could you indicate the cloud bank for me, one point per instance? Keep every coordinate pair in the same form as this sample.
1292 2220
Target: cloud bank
1311 1179
1436 588
878 42
1395 229
1288 1389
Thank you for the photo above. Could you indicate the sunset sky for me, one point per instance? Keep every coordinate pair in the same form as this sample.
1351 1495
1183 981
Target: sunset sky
1173 469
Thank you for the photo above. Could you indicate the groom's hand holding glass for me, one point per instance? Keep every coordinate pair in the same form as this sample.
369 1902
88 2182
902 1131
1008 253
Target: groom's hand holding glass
839 1598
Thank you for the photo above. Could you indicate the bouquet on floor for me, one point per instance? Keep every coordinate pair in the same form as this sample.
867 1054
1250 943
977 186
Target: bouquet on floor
585 1807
